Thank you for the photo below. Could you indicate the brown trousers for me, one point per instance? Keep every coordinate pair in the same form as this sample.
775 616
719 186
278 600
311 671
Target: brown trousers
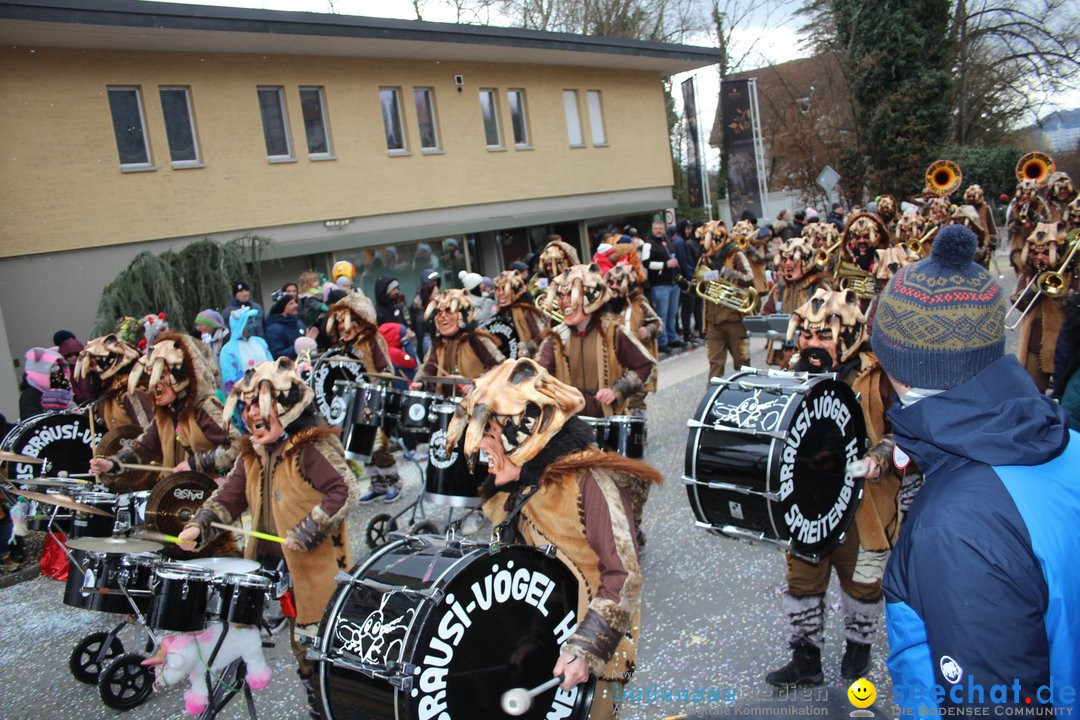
807 578
723 339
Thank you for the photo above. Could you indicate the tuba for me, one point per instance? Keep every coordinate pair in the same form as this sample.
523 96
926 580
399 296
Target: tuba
1035 166
943 177
742 300
850 276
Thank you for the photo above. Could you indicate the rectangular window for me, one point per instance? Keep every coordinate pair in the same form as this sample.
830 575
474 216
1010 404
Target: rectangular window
275 123
516 98
390 100
489 107
180 126
573 118
129 125
596 117
313 106
425 118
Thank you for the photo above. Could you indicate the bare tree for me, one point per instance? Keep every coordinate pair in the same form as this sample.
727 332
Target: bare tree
657 20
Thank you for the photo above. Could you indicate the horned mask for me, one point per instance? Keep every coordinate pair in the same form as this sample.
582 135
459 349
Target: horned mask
835 309
621 280
353 310
530 404
585 286
164 361
865 230
556 257
745 231
1046 237
909 227
890 260
714 236
1073 214
509 287
456 302
974 195
276 382
1061 187
794 258
105 357
886 207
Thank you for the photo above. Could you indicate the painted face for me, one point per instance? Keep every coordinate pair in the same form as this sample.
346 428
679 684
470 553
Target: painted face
446 322
164 395
1039 257
262 431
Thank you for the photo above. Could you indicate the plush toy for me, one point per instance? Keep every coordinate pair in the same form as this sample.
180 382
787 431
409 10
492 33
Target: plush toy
187 654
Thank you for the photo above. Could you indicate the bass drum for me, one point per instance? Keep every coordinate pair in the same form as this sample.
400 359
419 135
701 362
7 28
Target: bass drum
767 457
332 367
506 334
63 439
429 629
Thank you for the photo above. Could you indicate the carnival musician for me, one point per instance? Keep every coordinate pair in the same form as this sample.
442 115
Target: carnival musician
1026 210
590 350
888 212
517 310
863 235
1060 191
745 235
801 274
968 216
105 365
937 214
352 326
292 477
1072 216
1044 250
909 228
639 319
721 260
550 485
460 348
976 198
556 257
829 332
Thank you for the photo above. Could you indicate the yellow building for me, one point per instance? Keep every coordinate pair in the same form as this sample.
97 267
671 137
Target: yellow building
400 145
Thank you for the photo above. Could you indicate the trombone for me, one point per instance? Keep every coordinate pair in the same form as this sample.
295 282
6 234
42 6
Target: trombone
916 246
1052 283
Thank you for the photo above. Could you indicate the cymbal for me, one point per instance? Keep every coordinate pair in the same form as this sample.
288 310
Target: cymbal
121 545
61 500
54 482
444 379
175 499
384 376
6 456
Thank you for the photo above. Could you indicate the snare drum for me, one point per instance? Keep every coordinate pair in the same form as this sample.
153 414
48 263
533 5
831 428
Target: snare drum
767 457
97 581
413 418
376 405
359 438
240 598
421 628
86 524
448 481
623 434
40 516
181 593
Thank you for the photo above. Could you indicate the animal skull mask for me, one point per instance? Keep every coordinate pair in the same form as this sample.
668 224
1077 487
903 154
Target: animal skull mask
585 286
886 207
105 357
271 382
1061 187
353 310
864 233
909 227
974 195
1073 214
835 309
744 230
458 304
714 236
165 361
556 257
509 287
1048 238
890 260
794 258
530 404
621 280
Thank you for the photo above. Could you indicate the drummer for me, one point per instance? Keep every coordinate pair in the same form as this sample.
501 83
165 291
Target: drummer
460 348
830 336
516 309
590 350
352 327
552 486
188 430
629 304
105 364
293 478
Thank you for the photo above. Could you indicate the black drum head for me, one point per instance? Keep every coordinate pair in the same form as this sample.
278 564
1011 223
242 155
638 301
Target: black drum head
333 367
61 438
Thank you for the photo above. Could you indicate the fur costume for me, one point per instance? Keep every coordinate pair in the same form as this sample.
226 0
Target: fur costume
556 257
1039 330
469 352
724 331
628 302
1026 210
105 363
1060 191
520 313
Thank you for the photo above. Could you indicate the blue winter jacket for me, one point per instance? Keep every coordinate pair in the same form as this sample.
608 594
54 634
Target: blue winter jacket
281 334
982 590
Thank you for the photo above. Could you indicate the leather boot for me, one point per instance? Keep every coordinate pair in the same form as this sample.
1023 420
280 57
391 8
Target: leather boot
856 662
804 668
308 681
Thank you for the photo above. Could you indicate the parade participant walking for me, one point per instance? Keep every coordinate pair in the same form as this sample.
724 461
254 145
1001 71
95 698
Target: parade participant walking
638 318
981 584
550 485
105 365
292 478
724 331
516 309
460 349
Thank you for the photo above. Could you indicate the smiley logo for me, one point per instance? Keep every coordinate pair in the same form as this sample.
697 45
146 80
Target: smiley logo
862 693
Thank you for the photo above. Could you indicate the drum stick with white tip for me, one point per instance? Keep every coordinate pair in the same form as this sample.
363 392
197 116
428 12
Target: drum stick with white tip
518 700
252 533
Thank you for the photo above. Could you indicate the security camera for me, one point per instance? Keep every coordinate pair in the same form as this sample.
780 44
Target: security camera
459 81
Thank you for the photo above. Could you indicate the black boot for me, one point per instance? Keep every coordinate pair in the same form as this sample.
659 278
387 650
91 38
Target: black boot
804 668
312 701
856 662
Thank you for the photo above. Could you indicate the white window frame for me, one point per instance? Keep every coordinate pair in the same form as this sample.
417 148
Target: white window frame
594 103
526 144
283 108
572 110
182 164
494 95
133 167
404 149
437 147
329 154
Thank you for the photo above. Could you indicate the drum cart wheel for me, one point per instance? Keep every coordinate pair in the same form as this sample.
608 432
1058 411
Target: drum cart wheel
425 527
91 654
378 530
126 683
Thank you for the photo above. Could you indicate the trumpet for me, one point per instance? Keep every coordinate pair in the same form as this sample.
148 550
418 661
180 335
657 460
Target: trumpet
916 246
721 292
822 258
1052 283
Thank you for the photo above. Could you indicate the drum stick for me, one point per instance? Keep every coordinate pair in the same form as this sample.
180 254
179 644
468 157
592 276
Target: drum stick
161 537
93 432
252 533
518 700
154 468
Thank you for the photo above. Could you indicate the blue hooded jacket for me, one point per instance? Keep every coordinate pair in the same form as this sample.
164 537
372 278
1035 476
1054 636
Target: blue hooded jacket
983 597
238 355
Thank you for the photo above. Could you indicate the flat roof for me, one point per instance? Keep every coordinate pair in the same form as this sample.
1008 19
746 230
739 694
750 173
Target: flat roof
171 27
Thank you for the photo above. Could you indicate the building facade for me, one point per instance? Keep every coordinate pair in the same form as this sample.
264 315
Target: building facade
399 145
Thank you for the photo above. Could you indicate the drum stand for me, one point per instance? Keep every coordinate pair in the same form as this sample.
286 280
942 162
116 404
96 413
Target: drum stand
223 687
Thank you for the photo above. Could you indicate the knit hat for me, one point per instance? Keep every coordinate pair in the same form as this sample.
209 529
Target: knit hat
469 280
61 335
210 319
281 299
941 321
239 285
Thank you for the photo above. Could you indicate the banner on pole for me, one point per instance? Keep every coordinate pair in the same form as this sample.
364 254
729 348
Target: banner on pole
693 155
744 191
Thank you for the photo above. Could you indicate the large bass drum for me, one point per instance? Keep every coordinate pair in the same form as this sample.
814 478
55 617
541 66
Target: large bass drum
429 629
62 438
767 459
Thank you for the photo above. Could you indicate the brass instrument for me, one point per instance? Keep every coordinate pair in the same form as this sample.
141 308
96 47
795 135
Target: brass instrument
822 258
850 276
916 246
1052 283
943 177
1035 166
548 303
721 292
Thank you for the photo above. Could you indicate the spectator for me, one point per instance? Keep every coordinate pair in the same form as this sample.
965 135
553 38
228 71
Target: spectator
798 224
245 350
604 251
38 367
1067 362
284 326
291 288
242 299
521 269
424 329
70 349
389 302
782 226
310 298
658 259
58 397
483 302
685 255
212 330
836 216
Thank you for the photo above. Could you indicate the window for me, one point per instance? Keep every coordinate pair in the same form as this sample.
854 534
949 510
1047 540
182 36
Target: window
129 125
596 117
313 106
573 118
275 124
489 107
516 99
425 118
180 126
390 100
